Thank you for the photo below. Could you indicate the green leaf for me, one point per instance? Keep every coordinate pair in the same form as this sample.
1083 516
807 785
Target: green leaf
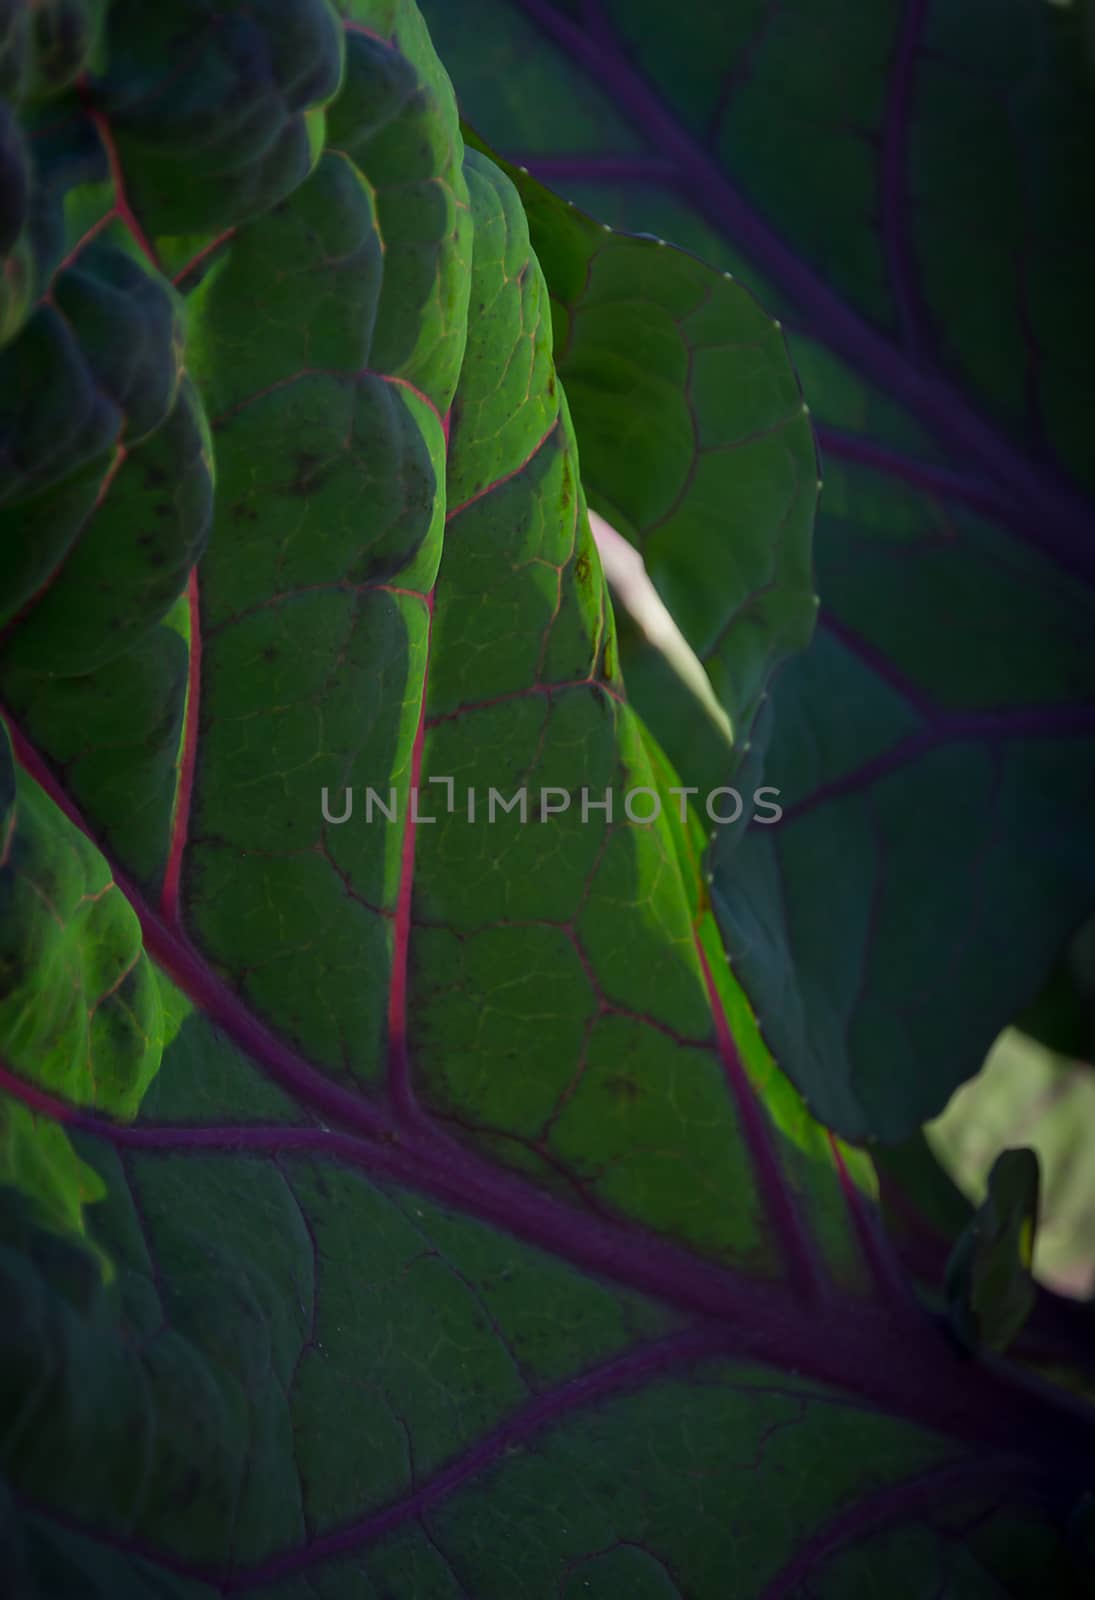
465 1238
685 404
248 127
79 1009
907 192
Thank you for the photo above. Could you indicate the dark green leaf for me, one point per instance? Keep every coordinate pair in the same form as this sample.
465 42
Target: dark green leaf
907 187
464 1237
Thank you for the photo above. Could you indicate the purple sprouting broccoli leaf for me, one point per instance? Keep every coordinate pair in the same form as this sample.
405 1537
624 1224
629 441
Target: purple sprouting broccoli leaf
452 1231
906 186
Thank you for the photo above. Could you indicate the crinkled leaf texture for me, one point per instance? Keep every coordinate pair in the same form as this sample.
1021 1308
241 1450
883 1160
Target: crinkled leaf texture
453 1232
907 185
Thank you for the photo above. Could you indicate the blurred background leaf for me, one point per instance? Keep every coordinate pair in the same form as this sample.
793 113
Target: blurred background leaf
1027 1094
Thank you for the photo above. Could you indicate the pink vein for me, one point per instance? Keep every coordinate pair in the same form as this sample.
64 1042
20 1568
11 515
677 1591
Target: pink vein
346 375
798 1248
545 690
399 1073
351 26
224 1007
496 483
399 1077
203 255
180 821
122 208
399 1067
894 176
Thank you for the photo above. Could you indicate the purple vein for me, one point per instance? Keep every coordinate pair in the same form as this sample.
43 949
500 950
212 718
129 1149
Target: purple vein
612 1377
1044 721
421 1156
1048 722
946 483
755 1310
894 175
743 68
1062 522
436 1160
881 665
617 1375
935 1489
762 1311
759 1318
191 972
